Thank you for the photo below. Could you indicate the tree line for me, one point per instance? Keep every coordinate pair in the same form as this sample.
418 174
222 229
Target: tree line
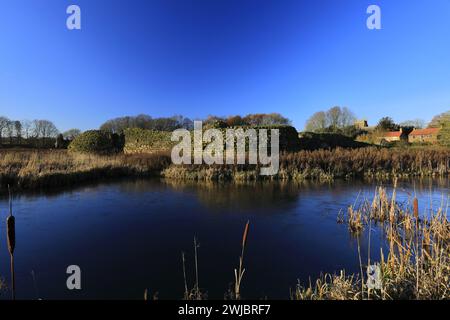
33 132
143 121
44 133
342 121
337 119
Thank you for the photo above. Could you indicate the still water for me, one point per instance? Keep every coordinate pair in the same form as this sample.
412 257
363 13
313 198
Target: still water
127 236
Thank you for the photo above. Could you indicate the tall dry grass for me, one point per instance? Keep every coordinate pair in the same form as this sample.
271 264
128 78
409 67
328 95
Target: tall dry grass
365 162
30 169
417 265
326 165
34 168
239 272
195 293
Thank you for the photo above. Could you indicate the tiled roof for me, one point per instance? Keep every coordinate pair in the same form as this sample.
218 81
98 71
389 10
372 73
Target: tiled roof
393 134
428 131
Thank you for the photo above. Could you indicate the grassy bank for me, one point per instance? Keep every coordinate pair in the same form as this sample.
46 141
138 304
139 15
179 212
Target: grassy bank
25 169
28 169
332 164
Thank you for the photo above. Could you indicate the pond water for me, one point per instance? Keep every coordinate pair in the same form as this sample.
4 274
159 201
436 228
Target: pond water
127 236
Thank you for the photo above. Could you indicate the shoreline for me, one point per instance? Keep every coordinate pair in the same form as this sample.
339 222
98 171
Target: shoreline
49 169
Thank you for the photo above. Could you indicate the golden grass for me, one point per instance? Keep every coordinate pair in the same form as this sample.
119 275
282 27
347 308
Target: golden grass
44 168
30 169
365 162
327 165
418 262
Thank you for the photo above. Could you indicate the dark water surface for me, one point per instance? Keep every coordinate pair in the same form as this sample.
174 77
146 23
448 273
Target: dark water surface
127 236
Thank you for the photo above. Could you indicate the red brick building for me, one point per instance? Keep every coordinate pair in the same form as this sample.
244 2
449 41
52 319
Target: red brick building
395 136
429 135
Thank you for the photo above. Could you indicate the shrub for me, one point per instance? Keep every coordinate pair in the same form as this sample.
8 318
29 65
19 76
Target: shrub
444 135
96 141
146 141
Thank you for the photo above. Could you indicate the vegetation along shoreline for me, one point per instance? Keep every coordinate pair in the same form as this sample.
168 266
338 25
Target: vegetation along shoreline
34 155
27 170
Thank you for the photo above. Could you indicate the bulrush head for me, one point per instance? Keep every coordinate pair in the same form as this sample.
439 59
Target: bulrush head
416 208
11 233
11 227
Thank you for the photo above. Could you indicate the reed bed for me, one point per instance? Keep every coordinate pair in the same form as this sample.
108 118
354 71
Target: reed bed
365 162
417 265
25 169
327 165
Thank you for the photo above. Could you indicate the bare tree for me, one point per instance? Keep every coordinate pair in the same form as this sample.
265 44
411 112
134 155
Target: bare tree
334 116
44 129
317 122
26 128
4 122
71 134
258 119
10 130
416 123
18 130
347 117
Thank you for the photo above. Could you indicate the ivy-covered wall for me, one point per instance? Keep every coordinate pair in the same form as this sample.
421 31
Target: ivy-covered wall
149 141
146 141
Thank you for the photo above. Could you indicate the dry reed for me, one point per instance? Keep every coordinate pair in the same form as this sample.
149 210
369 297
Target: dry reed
418 262
195 293
239 272
11 240
25 169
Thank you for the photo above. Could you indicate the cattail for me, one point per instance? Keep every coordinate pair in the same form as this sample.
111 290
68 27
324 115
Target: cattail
11 239
244 237
416 208
11 227
11 233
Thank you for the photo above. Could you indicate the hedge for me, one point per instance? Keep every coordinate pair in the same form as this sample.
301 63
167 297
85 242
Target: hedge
97 141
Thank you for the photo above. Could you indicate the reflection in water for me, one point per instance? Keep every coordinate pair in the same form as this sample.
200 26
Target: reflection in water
11 238
264 196
128 235
241 196
227 194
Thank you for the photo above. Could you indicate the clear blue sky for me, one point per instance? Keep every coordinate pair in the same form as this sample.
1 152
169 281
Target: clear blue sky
223 57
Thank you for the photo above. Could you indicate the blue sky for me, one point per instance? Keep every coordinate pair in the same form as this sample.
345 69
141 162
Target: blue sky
222 57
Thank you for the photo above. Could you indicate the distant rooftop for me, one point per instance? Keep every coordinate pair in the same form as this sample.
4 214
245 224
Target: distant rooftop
393 134
420 132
